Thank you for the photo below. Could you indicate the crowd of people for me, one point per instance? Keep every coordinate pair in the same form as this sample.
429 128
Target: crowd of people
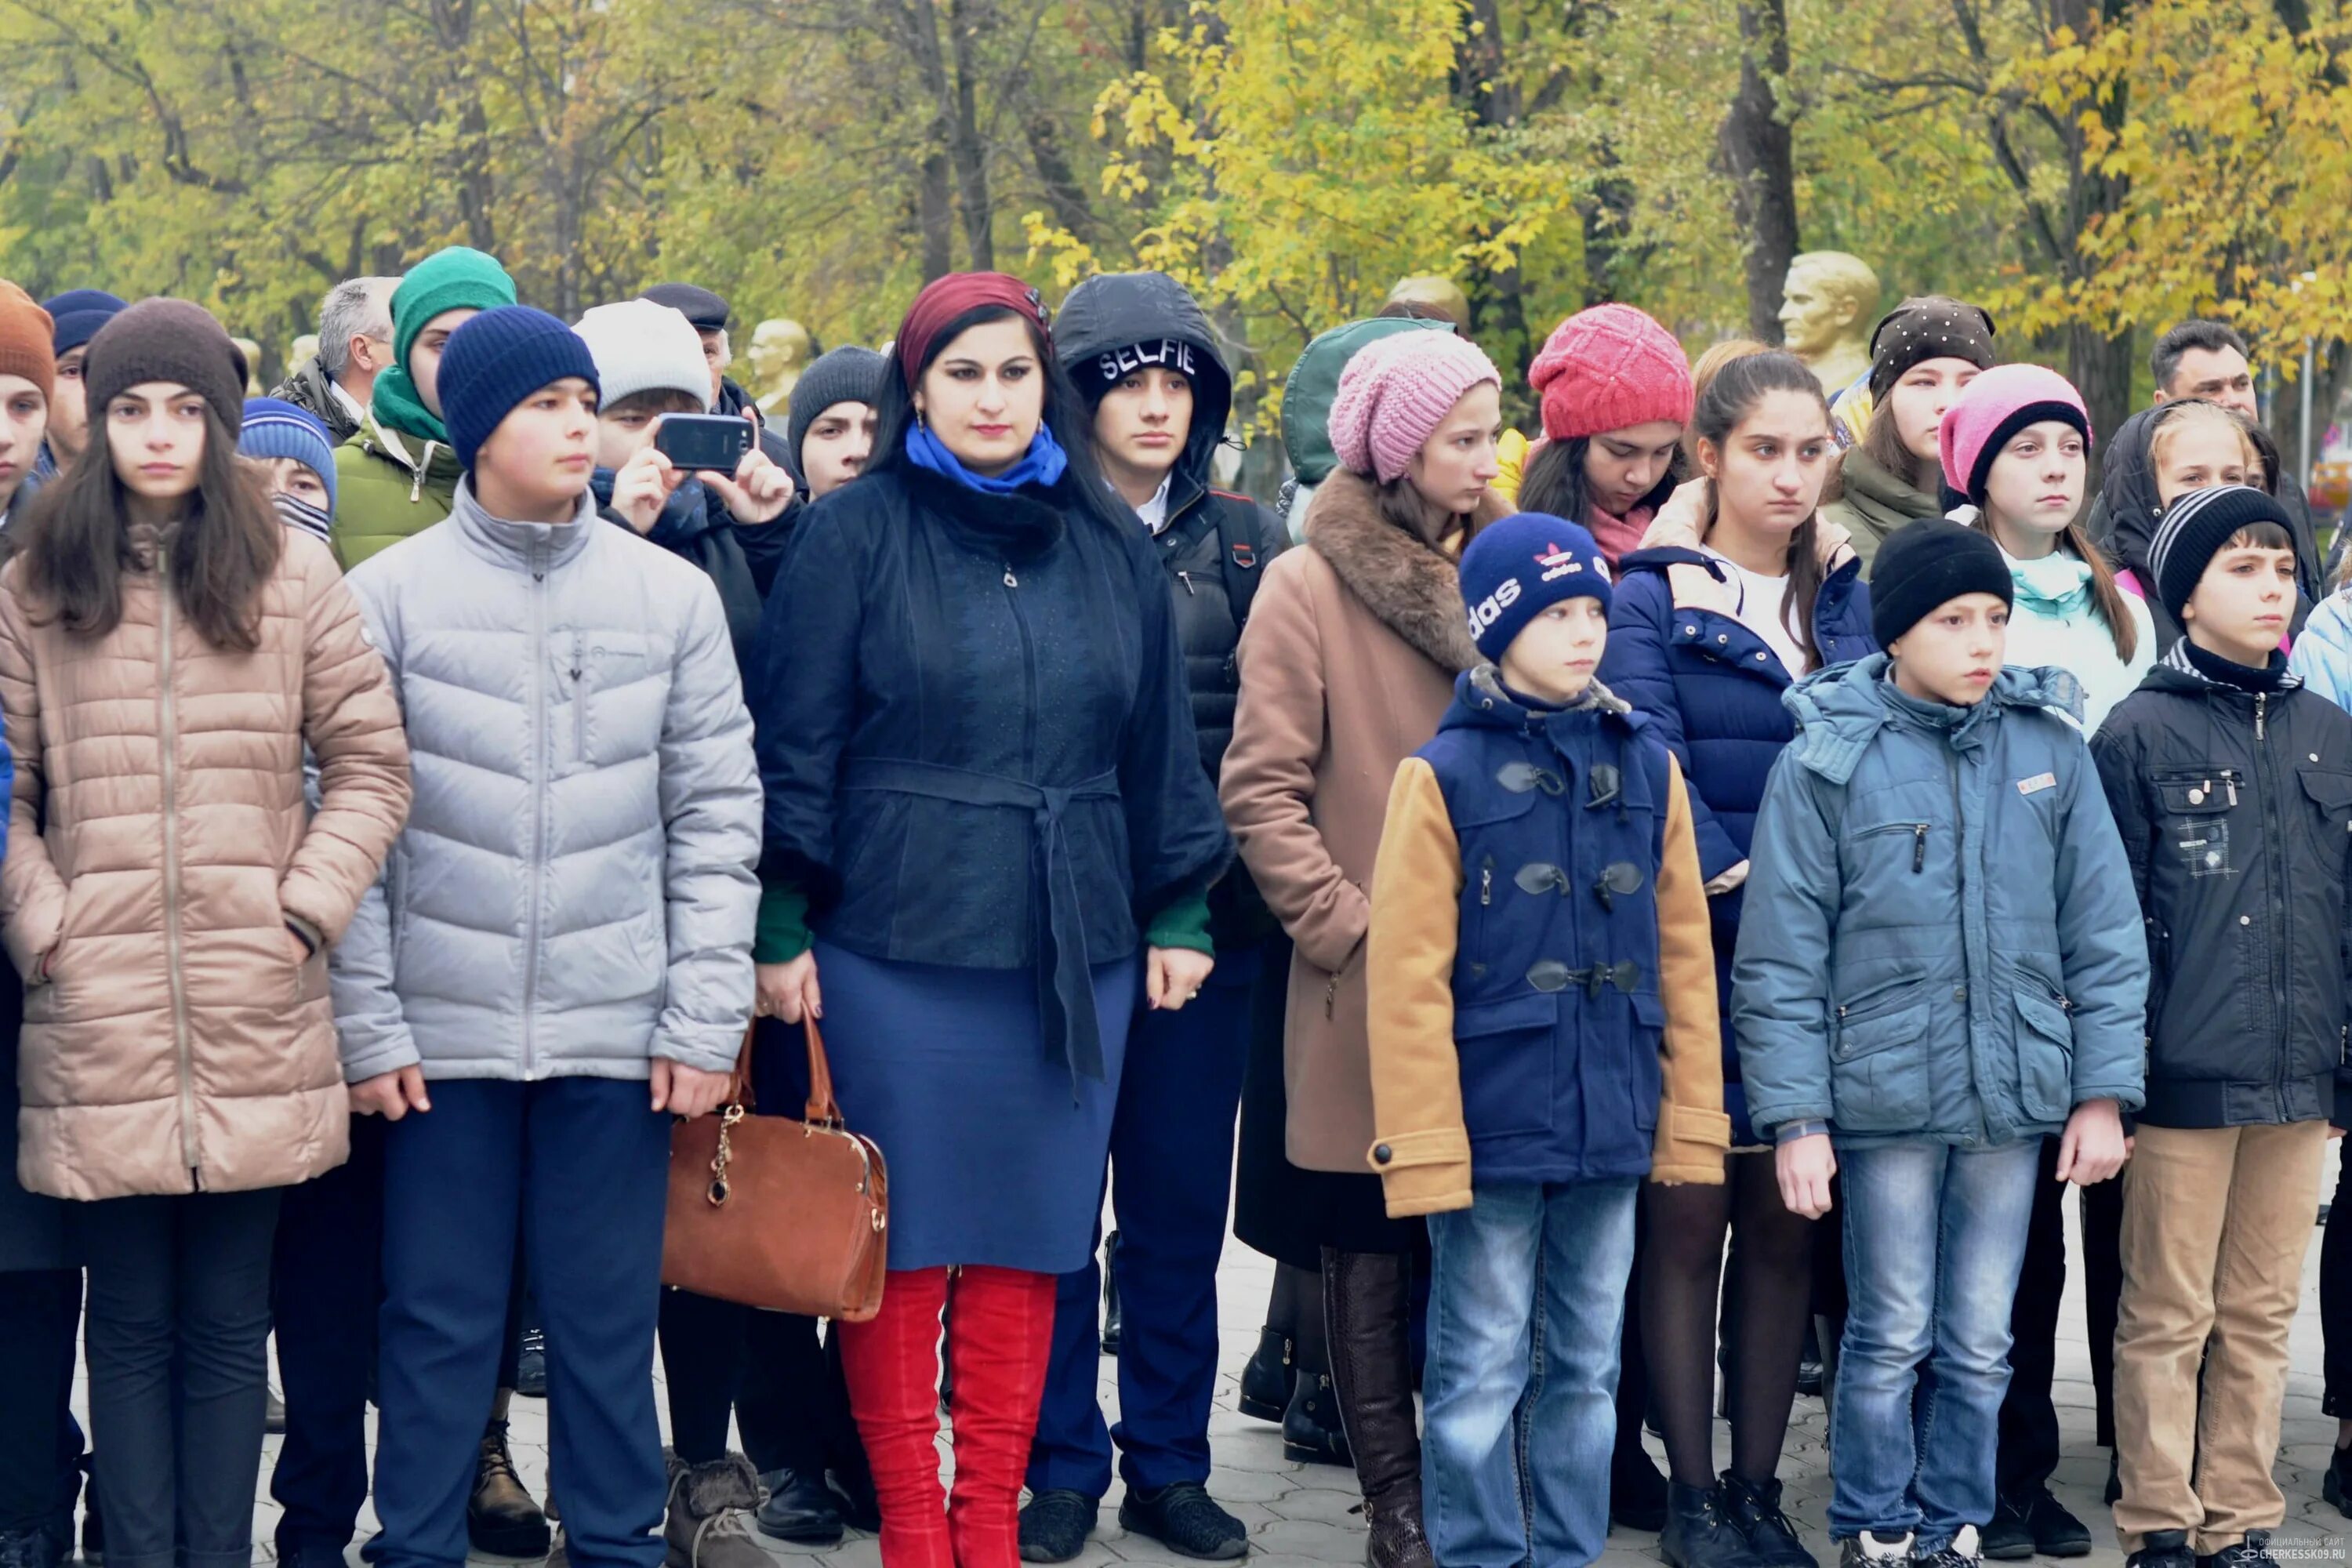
1528 883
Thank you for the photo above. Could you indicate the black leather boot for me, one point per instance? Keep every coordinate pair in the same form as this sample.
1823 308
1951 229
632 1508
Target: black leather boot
1367 1300
1311 1432
1265 1377
1701 1531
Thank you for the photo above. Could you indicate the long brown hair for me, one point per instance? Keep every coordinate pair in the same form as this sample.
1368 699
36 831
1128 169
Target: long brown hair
1882 442
2105 591
1401 504
75 544
1738 384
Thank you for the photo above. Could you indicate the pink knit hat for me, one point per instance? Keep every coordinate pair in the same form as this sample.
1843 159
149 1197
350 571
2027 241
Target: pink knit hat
1395 394
1609 367
1995 406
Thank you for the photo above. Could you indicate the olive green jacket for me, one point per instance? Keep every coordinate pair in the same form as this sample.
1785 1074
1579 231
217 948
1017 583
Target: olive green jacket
389 486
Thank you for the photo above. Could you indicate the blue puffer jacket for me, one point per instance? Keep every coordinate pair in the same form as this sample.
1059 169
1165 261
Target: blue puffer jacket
1712 689
1945 944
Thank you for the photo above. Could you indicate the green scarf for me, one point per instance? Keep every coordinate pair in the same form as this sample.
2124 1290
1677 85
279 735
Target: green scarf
450 279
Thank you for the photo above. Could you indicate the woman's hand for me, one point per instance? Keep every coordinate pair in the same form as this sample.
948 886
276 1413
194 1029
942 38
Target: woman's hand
1805 1167
2092 1148
1174 975
788 990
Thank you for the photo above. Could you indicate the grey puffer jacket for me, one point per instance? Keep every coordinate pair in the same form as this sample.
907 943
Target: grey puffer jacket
574 893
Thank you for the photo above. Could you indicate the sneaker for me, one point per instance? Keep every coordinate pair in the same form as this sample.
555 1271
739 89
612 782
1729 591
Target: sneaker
2009 1537
800 1509
2056 1532
1183 1518
2336 1486
2163 1549
1874 1549
1756 1509
530 1366
1965 1549
2254 1551
1055 1524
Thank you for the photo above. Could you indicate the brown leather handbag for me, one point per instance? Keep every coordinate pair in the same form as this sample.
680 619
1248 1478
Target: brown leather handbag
794 1216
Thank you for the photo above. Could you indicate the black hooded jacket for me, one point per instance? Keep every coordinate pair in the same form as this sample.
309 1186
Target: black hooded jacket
1215 545
2123 522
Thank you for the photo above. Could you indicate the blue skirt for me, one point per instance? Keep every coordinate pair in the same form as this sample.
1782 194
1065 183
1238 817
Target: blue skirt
989 1160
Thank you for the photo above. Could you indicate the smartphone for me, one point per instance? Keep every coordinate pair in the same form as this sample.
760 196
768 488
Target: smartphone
703 440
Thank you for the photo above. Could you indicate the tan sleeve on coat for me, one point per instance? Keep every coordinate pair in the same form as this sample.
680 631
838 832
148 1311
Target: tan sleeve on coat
32 893
1694 1132
1268 782
1416 929
351 722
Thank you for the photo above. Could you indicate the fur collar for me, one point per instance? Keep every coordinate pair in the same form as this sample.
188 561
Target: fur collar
1407 582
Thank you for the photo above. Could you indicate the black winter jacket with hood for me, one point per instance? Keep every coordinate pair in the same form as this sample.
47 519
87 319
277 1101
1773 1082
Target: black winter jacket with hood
2235 808
2124 516
1215 544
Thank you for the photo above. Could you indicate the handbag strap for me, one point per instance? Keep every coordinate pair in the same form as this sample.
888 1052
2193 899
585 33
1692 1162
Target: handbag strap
822 1107
739 1091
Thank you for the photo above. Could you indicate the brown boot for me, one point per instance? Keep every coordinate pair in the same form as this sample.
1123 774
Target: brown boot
501 1520
1366 1298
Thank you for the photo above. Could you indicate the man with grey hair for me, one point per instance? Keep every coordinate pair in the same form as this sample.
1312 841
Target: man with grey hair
354 343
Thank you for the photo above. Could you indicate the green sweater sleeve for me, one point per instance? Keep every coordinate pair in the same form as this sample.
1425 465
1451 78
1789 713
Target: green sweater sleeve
783 933
1184 923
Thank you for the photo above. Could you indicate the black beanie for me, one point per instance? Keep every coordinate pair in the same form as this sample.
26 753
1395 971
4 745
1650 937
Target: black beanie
2193 530
1924 564
166 339
846 374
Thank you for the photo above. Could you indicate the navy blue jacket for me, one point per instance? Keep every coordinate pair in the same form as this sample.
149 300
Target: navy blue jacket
1713 690
975 737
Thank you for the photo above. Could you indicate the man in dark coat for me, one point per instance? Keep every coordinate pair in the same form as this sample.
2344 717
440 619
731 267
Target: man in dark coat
1142 354
354 343
710 313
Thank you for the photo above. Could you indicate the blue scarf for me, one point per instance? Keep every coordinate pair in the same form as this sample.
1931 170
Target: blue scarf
1042 464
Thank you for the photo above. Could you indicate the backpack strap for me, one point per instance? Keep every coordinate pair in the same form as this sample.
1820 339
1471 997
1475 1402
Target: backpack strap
1240 559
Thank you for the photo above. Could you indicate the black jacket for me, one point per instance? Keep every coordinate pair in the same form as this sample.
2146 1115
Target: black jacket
696 526
973 735
1214 546
2236 815
2123 522
306 387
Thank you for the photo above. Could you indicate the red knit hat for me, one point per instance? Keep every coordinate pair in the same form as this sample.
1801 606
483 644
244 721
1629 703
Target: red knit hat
1609 367
25 330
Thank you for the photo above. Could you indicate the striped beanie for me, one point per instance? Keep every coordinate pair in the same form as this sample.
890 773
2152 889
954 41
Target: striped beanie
2194 529
275 428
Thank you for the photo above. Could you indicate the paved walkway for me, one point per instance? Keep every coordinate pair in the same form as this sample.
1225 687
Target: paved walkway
1298 1515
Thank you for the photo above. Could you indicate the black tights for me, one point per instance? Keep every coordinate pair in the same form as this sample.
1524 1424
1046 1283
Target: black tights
1295 1313
769 1372
1765 1310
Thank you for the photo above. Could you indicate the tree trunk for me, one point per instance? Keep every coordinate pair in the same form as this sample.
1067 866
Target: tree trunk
965 19
1754 143
2099 365
934 197
1499 306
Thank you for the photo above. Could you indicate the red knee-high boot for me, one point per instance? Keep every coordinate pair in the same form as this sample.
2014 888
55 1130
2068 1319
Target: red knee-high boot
892 1366
1000 1336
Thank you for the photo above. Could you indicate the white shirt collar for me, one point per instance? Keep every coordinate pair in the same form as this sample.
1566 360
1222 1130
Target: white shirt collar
1154 513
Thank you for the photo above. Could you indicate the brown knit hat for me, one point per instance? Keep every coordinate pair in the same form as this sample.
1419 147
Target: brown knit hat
166 339
24 330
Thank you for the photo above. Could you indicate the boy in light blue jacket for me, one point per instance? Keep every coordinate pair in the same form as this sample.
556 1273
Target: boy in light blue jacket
1941 964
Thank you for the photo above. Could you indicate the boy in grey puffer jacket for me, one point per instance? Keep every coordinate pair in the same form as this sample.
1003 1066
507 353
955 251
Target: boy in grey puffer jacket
559 957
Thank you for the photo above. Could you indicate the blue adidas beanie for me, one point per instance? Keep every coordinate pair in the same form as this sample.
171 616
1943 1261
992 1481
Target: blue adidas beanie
76 315
1520 566
275 428
497 359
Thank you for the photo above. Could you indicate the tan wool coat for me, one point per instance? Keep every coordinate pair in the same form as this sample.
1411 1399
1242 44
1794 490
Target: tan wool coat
1347 665
158 845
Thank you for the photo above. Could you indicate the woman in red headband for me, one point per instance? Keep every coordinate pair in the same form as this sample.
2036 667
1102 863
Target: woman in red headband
987 827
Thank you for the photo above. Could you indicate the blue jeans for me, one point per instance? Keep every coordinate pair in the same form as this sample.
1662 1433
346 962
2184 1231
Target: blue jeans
1527 1295
1933 1238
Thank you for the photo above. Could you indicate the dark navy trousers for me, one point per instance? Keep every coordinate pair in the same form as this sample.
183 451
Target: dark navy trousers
579 1168
1171 1165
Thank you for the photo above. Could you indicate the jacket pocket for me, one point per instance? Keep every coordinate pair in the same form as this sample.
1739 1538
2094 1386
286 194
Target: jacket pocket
1646 1075
1506 1050
2330 794
2196 806
1878 1076
1902 843
2045 1054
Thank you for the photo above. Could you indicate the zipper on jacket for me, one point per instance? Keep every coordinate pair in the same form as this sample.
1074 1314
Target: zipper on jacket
1487 882
417 479
1331 997
1029 674
539 786
1189 590
579 705
1919 848
2280 958
168 722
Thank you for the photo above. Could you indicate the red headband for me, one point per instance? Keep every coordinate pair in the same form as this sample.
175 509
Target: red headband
945 299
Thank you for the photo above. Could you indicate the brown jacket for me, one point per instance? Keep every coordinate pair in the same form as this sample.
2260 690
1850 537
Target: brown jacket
158 847
1416 1071
1347 665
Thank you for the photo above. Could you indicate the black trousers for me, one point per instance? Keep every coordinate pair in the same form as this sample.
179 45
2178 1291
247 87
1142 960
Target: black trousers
2029 1415
2336 1301
178 1338
40 1443
326 1286
768 1370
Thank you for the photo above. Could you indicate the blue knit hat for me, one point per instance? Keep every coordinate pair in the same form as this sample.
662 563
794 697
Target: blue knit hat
78 313
497 359
275 428
1518 568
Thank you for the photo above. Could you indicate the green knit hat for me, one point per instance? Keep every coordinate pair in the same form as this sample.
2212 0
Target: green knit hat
449 280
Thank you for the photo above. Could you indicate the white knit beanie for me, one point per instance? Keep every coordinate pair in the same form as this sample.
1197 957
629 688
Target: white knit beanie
640 346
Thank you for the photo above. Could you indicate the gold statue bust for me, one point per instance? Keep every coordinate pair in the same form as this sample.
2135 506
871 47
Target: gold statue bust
1829 300
252 352
301 351
779 353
